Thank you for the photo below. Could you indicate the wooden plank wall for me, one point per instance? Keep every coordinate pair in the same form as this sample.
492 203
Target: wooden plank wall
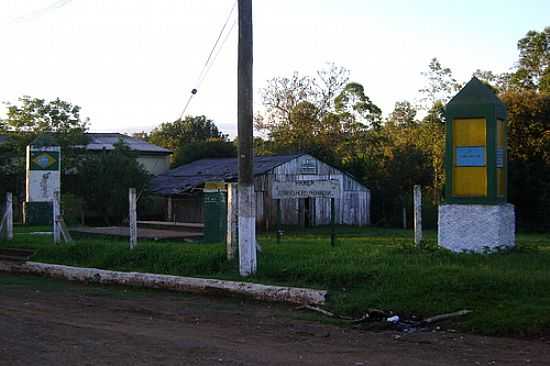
352 207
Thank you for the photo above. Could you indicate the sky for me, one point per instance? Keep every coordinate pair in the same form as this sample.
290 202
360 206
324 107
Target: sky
131 64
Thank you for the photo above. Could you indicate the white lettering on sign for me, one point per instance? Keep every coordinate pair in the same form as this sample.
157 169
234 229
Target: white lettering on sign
306 189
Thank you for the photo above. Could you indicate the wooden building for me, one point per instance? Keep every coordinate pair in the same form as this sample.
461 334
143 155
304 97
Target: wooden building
182 188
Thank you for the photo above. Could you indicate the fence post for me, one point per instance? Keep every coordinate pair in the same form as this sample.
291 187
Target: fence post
170 210
9 220
417 193
332 222
6 220
231 239
279 230
132 218
56 217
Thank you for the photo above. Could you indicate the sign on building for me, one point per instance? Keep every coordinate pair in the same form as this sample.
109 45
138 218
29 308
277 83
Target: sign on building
306 189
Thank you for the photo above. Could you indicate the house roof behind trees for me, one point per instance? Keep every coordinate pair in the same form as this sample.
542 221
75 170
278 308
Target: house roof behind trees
195 174
106 141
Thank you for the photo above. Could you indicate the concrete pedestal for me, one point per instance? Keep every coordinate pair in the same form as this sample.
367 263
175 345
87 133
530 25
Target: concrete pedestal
476 228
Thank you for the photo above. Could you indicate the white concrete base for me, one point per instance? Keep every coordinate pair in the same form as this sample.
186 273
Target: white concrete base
476 228
247 230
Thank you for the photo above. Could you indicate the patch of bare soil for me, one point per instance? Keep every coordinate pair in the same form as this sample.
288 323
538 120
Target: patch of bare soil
72 324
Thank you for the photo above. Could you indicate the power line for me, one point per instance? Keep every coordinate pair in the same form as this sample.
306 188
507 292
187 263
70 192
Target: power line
209 60
39 12
218 51
217 40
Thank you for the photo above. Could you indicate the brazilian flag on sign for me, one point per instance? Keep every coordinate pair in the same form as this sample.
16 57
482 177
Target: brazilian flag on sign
44 160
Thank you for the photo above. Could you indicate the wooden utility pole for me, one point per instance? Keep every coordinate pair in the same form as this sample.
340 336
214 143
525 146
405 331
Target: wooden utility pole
247 199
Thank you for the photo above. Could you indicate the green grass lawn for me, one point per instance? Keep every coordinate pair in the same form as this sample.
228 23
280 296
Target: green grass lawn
369 268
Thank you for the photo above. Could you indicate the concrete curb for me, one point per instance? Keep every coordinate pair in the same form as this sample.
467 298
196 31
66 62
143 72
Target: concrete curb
292 295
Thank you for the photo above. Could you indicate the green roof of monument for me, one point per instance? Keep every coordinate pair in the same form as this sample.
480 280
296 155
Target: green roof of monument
477 93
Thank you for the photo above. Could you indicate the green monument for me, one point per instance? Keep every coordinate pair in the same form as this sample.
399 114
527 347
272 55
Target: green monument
475 215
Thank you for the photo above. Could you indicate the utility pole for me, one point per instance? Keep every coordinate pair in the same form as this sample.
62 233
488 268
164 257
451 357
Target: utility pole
247 198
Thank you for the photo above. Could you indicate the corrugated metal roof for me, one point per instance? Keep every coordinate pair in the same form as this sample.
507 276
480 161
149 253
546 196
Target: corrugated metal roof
192 175
106 141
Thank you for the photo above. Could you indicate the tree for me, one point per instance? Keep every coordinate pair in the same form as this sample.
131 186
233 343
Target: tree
497 82
352 102
533 68
324 115
33 117
202 150
283 95
103 180
192 138
441 84
172 135
529 155
404 114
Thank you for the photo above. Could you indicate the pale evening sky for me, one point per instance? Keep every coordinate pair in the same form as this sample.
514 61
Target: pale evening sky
130 64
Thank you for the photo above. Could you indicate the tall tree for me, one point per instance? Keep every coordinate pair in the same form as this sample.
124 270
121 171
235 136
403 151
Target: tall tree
353 102
325 114
440 84
403 114
533 68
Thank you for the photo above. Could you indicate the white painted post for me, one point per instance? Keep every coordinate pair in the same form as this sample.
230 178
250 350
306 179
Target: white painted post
56 218
232 220
9 212
6 220
247 229
417 193
132 218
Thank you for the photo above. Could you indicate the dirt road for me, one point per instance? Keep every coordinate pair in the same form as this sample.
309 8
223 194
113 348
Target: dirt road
45 322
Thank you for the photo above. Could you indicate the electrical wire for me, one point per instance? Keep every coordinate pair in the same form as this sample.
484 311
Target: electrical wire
219 51
217 40
209 60
42 11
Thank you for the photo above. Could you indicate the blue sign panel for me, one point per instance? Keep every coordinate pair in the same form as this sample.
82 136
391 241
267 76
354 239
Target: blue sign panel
500 157
470 156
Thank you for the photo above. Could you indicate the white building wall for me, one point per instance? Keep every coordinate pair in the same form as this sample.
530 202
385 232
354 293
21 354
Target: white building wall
155 165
